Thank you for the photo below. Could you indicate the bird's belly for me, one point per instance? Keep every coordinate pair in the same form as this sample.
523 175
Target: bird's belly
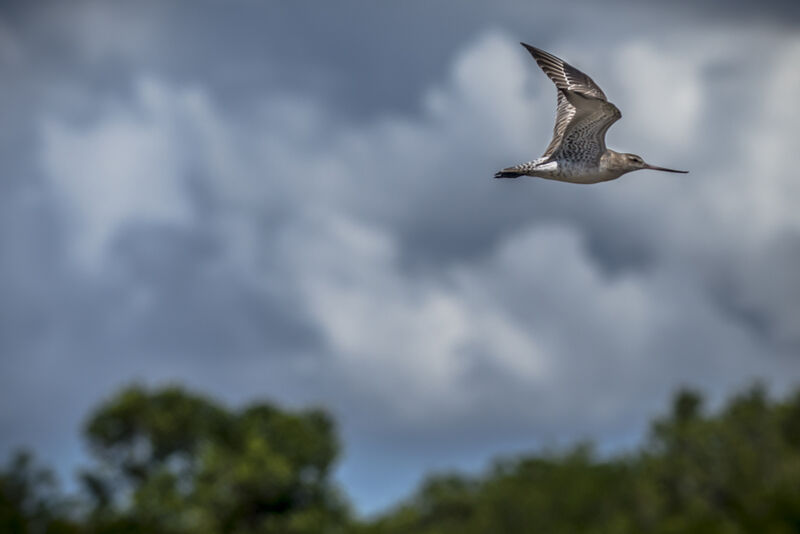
576 174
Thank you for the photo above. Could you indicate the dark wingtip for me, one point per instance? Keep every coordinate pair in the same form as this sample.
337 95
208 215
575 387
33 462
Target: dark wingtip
505 174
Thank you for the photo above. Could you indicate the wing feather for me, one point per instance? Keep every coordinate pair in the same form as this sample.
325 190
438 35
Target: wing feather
564 114
583 114
564 75
583 138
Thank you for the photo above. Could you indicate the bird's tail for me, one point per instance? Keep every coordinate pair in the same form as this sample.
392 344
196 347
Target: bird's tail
517 170
507 173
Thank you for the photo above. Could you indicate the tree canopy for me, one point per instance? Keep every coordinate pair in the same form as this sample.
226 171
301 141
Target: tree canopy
172 461
177 462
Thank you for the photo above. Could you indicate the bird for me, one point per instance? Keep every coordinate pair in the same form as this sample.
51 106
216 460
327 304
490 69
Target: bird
577 153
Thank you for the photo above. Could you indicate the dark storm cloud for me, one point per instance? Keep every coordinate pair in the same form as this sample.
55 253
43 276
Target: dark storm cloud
187 296
361 57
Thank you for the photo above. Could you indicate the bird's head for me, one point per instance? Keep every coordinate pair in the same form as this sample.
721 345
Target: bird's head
632 162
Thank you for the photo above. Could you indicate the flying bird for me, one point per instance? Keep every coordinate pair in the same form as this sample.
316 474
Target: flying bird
577 153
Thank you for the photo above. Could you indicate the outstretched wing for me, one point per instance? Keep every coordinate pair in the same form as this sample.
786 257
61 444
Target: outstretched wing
564 75
584 137
564 115
583 115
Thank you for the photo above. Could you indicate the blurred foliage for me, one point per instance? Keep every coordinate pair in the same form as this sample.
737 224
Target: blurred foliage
29 499
734 472
170 461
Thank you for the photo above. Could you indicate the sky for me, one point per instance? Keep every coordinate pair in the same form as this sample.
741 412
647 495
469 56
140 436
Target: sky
294 202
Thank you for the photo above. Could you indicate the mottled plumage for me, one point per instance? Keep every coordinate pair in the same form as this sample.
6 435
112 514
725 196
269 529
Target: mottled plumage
577 153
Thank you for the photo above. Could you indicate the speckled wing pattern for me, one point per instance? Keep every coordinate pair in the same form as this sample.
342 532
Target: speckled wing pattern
583 115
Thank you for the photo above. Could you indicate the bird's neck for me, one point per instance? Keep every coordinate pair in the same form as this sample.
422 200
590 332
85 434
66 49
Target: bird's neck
612 164
612 161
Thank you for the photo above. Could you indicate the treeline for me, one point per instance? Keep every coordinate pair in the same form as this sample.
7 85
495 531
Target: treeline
172 461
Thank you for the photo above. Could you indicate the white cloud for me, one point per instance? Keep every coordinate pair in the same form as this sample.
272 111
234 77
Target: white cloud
773 156
664 94
128 166
330 215
404 341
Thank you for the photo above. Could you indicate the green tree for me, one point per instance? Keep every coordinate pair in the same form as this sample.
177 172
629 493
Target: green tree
729 473
173 461
30 502
733 472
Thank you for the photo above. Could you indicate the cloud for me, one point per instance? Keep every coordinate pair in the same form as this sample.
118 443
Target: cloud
402 341
336 226
660 110
126 166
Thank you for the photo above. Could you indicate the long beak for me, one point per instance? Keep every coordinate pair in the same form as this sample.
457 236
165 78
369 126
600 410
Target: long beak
653 167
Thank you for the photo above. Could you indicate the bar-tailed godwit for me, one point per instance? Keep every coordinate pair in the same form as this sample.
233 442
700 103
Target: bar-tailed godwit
577 152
